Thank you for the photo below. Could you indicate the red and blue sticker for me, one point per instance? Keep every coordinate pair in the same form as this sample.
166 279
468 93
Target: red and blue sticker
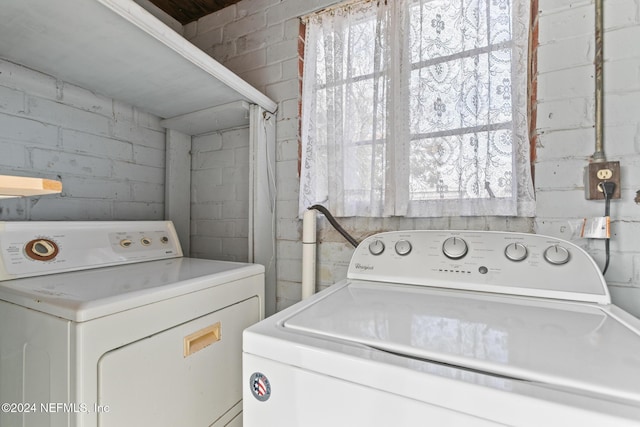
260 386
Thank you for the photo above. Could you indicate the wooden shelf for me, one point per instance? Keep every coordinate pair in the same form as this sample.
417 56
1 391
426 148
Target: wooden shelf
20 186
118 49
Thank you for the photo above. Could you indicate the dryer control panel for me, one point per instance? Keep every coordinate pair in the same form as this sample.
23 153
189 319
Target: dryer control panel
485 261
46 247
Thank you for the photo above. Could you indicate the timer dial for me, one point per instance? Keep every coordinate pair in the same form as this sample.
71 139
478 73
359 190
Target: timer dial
455 248
41 249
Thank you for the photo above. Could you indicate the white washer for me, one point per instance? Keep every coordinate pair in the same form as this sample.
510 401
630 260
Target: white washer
140 336
449 328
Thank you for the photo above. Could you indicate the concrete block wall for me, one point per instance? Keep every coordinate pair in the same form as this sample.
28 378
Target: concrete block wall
108 155
259 41
566 136
220 195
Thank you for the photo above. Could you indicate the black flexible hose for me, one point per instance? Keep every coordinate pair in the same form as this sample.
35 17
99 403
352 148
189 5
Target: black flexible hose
606 262
335 224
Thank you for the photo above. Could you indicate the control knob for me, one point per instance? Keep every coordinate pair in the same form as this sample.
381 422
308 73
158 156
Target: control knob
403 247
41 249
455 248
376 247
516 252
556 255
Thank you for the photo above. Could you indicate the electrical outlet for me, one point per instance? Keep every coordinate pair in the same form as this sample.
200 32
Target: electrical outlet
604 174
597 173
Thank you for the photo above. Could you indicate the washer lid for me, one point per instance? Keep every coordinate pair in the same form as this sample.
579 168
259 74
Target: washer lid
576 345
84 295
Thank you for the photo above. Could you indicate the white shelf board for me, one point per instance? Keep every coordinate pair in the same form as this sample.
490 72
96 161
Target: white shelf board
118 49
212 119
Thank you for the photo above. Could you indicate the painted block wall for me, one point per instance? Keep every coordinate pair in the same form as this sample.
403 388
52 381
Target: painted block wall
220 195
258 40
566 136
109 156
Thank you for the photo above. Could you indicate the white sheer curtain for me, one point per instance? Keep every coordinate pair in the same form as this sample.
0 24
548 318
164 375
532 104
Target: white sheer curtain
417 108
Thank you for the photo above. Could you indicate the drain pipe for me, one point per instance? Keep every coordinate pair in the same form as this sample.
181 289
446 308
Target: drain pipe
308 253
598 155
309 246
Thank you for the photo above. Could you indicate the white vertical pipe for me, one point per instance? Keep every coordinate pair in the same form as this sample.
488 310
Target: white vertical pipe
308 253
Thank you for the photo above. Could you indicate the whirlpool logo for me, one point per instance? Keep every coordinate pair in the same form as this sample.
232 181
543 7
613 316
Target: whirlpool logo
363 267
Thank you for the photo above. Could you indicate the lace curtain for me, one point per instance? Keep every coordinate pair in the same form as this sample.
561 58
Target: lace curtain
417 108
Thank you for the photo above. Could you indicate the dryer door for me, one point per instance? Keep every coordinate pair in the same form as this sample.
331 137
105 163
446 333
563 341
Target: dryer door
189 375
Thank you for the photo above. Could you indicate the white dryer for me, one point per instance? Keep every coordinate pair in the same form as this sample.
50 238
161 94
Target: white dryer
106 323
449 328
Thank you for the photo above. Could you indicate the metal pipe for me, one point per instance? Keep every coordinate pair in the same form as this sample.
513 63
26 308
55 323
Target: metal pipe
598 155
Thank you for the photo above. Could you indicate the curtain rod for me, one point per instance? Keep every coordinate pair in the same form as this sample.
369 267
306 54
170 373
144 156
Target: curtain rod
337 6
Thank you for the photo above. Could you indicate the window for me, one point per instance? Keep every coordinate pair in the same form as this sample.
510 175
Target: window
417 108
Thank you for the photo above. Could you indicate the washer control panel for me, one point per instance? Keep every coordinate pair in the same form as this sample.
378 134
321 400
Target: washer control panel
487 261
39 248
